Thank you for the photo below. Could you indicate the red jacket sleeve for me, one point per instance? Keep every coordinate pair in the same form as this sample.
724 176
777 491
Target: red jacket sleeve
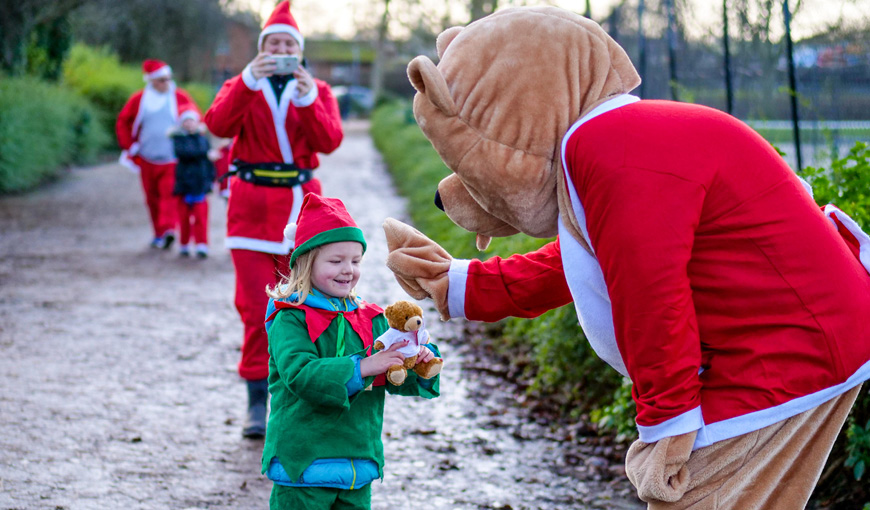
523 285
642 226
124 124
322 121
224 117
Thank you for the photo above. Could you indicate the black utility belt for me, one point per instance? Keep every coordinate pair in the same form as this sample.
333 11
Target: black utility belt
281 175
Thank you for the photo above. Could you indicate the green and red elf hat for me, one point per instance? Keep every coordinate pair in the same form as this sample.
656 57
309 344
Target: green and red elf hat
322 220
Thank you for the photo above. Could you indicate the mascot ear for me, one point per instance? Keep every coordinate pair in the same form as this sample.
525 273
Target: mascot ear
445 38
428 81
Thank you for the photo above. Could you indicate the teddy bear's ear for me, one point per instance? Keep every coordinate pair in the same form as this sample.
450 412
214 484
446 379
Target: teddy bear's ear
429 81
445 38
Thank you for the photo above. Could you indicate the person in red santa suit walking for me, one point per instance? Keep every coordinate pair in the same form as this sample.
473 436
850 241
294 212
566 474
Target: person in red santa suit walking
141 130
280 117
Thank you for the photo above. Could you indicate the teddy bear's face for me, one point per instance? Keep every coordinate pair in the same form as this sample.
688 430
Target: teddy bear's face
404 316
504 93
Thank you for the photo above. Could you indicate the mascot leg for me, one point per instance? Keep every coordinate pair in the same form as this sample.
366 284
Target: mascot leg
776 467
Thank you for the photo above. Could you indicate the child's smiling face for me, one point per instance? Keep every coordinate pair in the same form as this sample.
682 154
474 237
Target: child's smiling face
335 271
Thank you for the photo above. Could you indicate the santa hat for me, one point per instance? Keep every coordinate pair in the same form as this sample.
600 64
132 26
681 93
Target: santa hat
322 221
281 22
189 113
153 69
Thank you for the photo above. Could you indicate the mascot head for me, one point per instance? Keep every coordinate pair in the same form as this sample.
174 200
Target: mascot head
504 93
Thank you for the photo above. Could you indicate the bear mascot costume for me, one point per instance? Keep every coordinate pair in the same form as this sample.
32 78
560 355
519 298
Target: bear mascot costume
698 263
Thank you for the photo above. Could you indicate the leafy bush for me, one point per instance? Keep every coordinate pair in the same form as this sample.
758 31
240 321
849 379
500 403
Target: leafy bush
98 74
42 128
846 184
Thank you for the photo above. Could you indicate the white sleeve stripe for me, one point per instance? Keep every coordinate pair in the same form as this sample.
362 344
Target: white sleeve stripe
457 279
678 425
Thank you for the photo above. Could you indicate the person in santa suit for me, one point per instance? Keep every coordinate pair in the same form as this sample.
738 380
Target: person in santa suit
279 123
141 130
697 261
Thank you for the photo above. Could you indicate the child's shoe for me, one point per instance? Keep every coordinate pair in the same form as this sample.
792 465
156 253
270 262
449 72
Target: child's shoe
202 251
168 239
255 422
183 251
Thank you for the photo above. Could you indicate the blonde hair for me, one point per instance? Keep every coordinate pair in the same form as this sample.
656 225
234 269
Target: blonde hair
299 280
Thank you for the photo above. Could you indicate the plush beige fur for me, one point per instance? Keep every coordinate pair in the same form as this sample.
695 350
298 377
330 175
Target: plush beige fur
773 468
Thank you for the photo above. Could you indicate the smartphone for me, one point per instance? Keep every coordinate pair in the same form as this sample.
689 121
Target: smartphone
285 64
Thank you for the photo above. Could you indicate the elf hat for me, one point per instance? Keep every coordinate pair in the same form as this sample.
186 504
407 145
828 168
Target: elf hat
322 220
154 69
281 22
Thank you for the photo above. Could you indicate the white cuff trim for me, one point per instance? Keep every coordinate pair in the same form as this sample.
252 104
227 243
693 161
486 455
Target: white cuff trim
306 100
248 78
457 278
260 245
678 425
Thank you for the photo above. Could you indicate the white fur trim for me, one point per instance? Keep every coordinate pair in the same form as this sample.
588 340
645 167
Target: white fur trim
159 73
726 429
125 159
678 425
855 230
290 231
278 107
582 271
280 28
260 245
457 278
306 100
249 80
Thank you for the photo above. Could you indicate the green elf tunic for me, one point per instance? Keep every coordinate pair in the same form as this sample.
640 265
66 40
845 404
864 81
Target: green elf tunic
312 415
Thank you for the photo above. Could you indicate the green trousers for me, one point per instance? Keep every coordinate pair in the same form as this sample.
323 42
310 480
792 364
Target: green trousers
320 498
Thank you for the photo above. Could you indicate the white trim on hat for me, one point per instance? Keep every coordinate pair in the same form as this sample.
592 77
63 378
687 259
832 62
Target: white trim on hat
281 28
164 71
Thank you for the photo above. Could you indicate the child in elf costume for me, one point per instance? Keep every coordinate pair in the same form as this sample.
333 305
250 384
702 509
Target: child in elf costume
323 439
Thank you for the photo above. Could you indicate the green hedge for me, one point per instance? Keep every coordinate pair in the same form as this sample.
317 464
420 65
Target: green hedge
98 74
550 351
43 127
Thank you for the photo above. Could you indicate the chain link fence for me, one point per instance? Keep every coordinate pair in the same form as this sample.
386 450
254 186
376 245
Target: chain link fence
682 52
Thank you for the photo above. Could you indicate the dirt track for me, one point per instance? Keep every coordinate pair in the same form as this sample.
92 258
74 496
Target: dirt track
118 386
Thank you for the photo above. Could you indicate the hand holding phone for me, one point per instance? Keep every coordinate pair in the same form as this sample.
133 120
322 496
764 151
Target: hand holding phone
285 64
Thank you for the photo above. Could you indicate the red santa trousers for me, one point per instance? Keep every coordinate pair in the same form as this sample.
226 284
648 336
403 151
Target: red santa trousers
158 181
254 271
193 218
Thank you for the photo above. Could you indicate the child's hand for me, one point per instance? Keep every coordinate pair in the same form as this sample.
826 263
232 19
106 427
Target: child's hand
425 355
379 362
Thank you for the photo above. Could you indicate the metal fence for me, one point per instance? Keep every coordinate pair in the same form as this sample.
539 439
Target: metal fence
807 87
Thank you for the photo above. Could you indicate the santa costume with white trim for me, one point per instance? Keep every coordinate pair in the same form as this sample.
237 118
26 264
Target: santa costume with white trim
141 130
269 121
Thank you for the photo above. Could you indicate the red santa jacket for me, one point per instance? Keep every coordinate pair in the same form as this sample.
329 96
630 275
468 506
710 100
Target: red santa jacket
731 301
129 119
289 129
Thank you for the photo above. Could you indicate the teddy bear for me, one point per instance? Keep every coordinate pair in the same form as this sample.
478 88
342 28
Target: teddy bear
406 323
696 259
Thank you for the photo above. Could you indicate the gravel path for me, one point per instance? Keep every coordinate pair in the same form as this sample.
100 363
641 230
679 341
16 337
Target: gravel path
118 387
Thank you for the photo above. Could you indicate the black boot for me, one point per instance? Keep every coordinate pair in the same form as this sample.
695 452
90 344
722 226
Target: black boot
258 396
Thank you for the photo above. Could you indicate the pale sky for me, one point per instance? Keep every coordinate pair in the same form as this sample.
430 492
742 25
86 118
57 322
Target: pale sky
342 17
